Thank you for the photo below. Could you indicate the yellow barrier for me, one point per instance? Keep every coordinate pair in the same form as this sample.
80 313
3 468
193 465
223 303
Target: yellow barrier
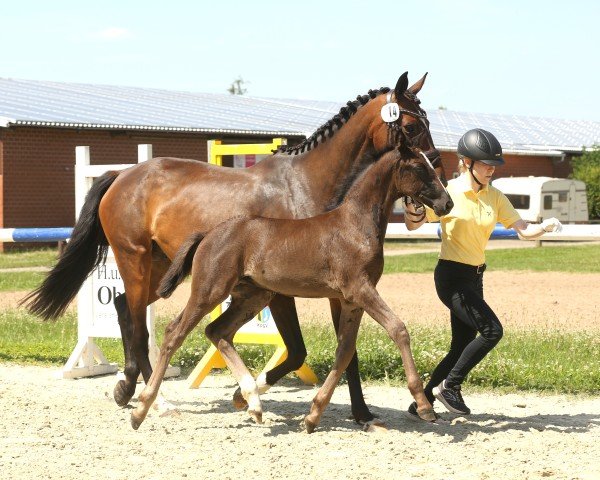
212 358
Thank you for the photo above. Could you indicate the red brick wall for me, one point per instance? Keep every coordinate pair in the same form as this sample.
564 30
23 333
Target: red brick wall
39 167
1 182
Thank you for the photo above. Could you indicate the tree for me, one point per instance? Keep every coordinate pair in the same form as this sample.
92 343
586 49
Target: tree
237 86
587 169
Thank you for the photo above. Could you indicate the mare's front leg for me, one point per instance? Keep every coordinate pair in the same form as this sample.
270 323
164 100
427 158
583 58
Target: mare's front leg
367 296
246 301
346 335
360 410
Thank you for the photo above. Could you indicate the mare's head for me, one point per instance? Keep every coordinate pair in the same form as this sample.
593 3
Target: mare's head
415 177
403 124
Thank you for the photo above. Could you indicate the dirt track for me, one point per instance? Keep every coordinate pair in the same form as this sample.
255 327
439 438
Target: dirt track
67 429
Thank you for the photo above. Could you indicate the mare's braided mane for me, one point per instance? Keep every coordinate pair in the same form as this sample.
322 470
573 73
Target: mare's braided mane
326 130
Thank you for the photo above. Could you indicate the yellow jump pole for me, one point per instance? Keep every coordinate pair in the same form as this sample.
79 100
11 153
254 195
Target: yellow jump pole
212 358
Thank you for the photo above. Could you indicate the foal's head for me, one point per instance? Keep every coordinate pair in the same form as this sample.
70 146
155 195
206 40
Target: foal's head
404 123
415 177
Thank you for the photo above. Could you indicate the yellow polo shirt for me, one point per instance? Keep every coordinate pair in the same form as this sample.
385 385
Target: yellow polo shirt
469 225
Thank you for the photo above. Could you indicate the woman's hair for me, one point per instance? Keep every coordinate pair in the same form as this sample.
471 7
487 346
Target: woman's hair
462 168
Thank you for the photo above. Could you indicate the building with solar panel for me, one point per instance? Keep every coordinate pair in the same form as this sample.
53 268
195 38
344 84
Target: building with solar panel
41 123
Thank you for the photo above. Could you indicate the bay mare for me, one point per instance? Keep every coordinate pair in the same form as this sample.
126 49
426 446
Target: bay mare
338 254
147 211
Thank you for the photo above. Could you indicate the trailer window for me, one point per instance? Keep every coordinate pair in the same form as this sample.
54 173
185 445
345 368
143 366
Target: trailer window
547 202
562 196
518 201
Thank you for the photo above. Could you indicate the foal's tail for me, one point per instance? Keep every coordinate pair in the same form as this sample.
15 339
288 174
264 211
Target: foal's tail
181 266
85 251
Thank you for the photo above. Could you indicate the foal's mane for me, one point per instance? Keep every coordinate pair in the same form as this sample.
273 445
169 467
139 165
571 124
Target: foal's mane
368 160
326 130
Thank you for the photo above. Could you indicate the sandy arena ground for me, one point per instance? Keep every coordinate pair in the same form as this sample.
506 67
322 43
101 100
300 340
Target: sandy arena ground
71 429
67 429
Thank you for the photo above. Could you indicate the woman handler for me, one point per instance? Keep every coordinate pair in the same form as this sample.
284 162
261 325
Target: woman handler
478 206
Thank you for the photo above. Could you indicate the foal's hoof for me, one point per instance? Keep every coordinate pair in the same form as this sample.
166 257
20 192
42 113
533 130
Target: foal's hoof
309 425
136 420
256 415
239 402
123 393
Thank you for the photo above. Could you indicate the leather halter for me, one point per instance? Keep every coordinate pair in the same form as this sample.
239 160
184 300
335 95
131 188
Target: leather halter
433 155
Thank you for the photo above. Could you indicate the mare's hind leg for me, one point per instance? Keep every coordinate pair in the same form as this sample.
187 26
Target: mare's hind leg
360 410
246 301
125 389
346 334
285 316
135 268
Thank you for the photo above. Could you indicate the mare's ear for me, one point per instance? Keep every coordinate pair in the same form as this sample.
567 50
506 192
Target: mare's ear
401 85
416 88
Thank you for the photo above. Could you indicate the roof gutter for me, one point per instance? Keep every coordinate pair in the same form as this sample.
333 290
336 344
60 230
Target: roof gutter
153 128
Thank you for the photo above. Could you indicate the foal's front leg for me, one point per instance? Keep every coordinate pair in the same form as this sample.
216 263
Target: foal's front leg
360 411
346 335
367 296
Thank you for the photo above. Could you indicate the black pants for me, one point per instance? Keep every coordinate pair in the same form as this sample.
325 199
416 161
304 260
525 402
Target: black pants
460 288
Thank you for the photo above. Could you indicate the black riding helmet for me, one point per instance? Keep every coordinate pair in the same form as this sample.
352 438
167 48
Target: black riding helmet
480 145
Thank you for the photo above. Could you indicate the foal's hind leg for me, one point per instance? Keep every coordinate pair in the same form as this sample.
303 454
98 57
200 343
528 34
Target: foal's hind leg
205 297
347 332
360 410
284 314
246 301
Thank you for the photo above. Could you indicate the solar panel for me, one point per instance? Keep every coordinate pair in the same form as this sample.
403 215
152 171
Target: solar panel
55 103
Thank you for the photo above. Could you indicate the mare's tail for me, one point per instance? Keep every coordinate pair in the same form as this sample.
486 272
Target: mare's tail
85 251
181 266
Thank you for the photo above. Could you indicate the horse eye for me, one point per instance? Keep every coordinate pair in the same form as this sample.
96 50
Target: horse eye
409 129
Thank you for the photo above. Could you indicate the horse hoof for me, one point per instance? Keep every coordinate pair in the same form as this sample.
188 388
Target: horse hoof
136 421
363 417
428 415
122 393
239 402
256 415
375 426
309 425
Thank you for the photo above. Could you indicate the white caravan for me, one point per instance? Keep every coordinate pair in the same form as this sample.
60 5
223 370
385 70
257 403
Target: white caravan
537 198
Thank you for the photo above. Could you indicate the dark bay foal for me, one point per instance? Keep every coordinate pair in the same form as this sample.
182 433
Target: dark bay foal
338 254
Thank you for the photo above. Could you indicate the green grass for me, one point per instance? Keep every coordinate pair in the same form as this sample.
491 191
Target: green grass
524 360
530 360
19 281
577 259
29 258
27 280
